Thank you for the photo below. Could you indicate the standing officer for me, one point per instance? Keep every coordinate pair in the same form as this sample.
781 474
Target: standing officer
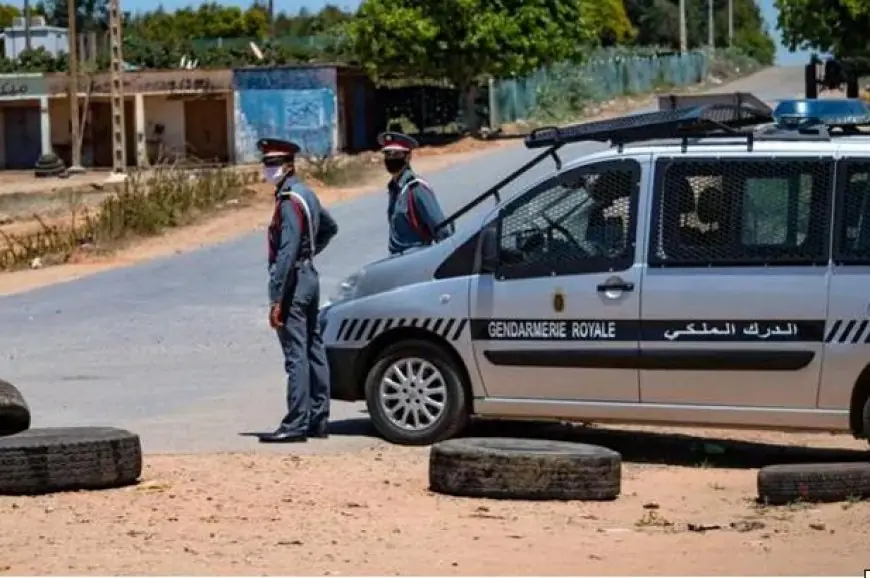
412 209
300 229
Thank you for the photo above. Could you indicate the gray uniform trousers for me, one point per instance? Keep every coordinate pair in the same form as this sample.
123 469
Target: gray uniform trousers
304 355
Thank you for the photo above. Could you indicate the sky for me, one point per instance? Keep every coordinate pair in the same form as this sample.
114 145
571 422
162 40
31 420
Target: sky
767 8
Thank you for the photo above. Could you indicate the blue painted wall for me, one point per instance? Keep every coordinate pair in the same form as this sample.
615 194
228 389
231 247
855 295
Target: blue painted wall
297 104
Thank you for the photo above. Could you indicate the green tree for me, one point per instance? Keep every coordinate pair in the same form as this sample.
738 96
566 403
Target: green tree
836 26
7 13
658 24
464 41
91 15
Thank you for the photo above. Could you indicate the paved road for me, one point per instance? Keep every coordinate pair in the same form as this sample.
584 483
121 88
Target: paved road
178 348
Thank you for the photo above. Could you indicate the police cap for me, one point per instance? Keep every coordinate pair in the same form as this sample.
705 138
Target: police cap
396 141
275 150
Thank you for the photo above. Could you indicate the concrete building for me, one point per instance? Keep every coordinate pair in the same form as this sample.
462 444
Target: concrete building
168 115
55 40
324 108
25 122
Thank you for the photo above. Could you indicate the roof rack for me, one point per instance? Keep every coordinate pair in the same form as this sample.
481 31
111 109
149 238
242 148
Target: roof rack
719 119
698 121
675 101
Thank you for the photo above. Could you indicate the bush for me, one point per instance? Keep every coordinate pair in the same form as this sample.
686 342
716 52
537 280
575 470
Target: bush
148 204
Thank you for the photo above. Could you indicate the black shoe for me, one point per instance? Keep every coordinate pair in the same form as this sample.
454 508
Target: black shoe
281 436
321 430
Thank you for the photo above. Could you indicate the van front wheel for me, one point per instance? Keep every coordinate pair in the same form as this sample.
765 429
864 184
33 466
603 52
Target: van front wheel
415 394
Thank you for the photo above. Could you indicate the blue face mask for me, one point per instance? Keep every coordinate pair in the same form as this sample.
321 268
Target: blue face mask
272 174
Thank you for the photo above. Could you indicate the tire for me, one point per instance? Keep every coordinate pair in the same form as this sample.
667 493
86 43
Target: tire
865 417
454 414
14 413
524 469
834 482
41 461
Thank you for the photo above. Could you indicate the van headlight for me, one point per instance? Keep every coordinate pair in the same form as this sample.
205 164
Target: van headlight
346 289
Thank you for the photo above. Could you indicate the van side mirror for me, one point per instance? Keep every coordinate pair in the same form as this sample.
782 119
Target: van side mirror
489 248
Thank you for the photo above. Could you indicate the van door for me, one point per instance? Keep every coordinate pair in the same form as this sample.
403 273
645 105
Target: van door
847 347
735 292
558 317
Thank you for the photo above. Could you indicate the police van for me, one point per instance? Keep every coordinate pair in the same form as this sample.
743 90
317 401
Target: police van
711 267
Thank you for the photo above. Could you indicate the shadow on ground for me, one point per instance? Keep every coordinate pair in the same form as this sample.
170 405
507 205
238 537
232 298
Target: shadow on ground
643 446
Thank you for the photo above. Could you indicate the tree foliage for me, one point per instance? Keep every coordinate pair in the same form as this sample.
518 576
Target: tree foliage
457 40
836 26
658 23
464 40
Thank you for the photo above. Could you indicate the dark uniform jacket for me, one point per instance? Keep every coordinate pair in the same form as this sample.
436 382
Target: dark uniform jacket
412 213
300 229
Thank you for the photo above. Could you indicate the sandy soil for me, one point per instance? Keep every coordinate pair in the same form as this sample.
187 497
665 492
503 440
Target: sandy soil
370 512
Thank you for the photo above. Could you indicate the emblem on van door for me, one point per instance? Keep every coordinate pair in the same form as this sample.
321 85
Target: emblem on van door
558 301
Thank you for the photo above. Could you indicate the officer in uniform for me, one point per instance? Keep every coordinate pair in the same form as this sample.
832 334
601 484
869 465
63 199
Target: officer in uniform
299 230
412 209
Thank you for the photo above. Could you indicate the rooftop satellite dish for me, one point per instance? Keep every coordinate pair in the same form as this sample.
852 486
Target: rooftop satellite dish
256 50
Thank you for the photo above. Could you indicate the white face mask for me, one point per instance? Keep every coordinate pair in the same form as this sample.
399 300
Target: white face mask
272 174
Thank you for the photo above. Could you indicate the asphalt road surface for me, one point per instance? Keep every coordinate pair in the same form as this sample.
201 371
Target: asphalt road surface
178 349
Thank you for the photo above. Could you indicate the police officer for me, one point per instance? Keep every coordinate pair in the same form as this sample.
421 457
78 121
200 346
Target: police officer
299 230
412 209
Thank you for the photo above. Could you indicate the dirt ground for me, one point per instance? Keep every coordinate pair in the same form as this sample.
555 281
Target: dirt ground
370 512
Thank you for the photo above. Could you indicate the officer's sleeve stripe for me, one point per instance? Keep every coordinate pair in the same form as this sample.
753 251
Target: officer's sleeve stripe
341 327
376 324
362 328
859 333
833 331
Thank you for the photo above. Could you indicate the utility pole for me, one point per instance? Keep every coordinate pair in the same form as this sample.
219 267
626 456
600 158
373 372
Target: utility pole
683 40
73 89
730 23
711 40
26 24
272 19
119 149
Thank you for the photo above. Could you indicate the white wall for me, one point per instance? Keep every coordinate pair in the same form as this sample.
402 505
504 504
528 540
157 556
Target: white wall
170 113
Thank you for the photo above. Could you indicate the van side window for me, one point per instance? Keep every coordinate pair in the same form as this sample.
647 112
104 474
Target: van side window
581 221
852 235
734 212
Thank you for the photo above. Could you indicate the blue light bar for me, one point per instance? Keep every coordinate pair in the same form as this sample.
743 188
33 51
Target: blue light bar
829 112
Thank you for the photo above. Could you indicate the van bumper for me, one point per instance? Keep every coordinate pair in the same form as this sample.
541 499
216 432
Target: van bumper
345 384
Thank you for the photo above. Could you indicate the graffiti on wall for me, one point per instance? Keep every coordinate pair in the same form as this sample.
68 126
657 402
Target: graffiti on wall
296 104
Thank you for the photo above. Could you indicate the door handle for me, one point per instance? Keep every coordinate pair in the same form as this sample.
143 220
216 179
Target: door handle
615 286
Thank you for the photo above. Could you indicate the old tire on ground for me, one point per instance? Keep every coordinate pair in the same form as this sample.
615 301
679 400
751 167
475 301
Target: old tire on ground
834 482
49 165
14 413
416 376
524 469
40 461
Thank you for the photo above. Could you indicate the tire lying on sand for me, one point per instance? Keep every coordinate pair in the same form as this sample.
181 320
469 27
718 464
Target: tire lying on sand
40 461
524 469
14 413
834 482
49 165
